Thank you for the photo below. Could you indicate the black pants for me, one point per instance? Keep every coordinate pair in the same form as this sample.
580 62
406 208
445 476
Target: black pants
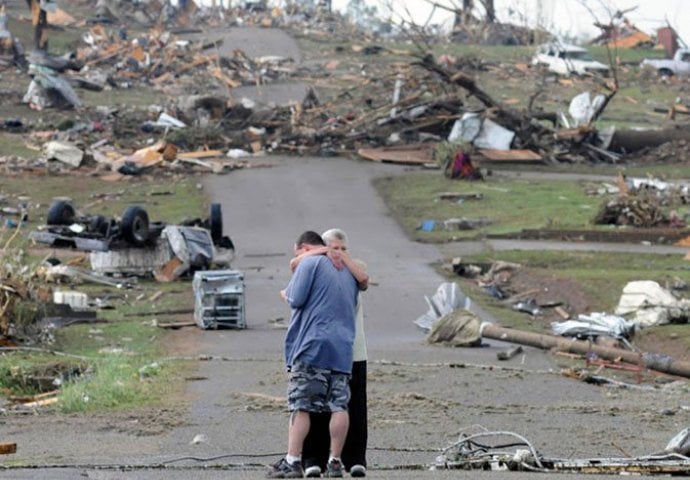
316 446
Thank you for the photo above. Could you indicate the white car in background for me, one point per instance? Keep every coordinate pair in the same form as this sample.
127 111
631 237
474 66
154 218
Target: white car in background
678 65
565 59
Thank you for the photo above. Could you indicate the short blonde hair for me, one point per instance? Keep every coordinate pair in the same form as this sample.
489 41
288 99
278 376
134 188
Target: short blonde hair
334 234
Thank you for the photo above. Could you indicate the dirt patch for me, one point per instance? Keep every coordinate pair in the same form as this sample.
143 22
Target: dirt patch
181 342
551 290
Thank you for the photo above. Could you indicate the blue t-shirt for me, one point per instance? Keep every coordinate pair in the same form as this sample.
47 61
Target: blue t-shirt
322 324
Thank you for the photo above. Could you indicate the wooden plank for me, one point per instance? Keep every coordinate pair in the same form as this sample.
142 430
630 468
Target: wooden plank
509 155
419 154
40 403
218 73
200 154
155 296
562 312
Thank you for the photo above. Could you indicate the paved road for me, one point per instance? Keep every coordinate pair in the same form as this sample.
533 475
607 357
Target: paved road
421 397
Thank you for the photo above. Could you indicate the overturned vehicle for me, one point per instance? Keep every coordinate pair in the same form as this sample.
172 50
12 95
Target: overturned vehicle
133 245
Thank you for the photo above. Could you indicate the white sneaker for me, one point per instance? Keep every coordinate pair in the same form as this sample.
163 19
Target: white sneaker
313 472
358 471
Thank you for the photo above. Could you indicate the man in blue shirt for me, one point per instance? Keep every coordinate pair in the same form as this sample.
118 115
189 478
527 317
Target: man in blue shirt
318 351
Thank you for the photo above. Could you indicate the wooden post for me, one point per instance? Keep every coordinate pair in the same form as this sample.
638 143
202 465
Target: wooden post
39 19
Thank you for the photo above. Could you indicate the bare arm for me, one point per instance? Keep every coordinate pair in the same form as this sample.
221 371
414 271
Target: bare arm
294 261
358 269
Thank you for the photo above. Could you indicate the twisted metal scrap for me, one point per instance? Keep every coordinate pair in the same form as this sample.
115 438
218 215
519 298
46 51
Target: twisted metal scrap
467 453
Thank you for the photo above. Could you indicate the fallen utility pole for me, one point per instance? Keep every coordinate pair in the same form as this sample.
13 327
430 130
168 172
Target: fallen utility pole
654 361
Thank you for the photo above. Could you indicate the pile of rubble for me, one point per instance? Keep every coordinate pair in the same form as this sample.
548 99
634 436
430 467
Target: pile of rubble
419 100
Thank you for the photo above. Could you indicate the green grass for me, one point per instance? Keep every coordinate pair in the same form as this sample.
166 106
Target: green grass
631 56
661 171
510 205
14 145
171 200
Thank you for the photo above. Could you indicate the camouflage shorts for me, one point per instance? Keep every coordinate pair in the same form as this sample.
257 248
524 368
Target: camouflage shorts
312 389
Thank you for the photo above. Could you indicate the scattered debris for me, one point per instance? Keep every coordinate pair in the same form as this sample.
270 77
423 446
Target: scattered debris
647 304
446 317
593 325
48 87
486 450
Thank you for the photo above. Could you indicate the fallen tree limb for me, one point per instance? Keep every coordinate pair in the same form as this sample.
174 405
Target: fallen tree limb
653 361
524 125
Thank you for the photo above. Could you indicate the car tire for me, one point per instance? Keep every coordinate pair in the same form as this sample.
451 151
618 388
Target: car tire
60 213
665 72
135 226
215 220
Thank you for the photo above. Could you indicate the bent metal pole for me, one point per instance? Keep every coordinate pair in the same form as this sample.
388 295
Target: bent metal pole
653 361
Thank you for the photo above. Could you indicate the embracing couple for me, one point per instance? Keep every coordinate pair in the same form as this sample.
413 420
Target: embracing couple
325 355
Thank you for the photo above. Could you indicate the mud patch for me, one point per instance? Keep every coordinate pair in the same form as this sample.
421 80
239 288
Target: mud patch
549 289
